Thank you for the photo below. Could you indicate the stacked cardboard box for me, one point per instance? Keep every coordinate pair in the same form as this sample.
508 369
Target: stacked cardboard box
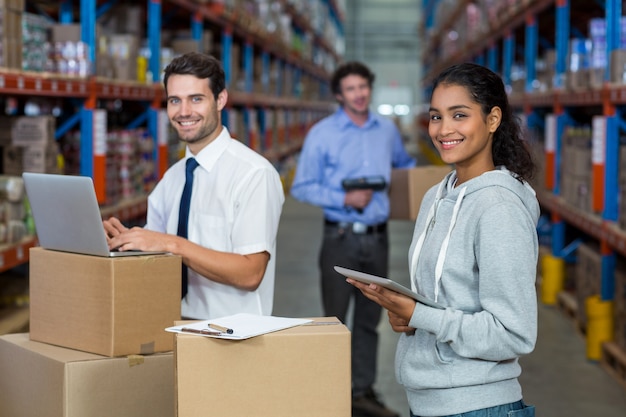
97 347
621 216
11 33
39 379
12 209
576 168
124 50
537 148
618 66
107 306
619 306
28 144
546 71
588 277
301 371
69 55
97 344
35 50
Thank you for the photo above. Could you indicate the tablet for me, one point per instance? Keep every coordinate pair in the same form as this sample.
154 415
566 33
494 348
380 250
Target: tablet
386 283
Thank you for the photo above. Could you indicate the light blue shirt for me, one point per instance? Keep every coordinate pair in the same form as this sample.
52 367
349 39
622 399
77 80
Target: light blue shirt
335 149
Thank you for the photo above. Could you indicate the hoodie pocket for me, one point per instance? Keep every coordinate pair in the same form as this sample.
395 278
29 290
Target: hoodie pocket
423 363
445 353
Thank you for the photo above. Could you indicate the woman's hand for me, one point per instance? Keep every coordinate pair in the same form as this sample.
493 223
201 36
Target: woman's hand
400 325
400 307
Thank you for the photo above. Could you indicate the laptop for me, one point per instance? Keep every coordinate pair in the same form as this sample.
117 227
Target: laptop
67 215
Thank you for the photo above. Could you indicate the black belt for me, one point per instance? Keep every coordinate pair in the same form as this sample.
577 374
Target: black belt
358 228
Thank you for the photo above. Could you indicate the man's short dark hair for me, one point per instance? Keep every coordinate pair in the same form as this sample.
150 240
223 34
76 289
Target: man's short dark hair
350 68
202 66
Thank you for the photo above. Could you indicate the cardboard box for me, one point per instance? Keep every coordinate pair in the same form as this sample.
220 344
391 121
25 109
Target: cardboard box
408 187
108 306
301 371
183 46
123 51
38 379
65 32
41 158
618 66
12 160
33 130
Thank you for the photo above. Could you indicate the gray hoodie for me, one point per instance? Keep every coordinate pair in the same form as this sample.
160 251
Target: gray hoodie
474 251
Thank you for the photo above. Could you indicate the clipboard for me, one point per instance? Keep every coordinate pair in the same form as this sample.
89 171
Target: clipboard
386 283
241 325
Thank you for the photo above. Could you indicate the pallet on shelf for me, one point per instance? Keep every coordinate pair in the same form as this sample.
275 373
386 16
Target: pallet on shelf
567 304
614 361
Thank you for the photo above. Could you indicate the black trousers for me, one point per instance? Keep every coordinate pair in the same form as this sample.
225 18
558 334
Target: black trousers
363 252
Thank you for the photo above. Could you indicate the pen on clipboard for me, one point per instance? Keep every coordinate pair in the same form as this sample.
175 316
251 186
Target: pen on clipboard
220 329
199 331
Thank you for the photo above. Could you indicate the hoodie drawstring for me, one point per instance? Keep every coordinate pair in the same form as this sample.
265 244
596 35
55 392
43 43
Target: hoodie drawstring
420 240
444 245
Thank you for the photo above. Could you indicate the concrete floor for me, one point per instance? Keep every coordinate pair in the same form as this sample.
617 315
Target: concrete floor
557 378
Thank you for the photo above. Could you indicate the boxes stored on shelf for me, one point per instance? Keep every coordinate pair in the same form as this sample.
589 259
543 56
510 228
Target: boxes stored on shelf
17 159
301 371
33 130
588 277
125 18
11 12
38 379
576 165
619 306
12 189
124 50
41 159
109 306
27 144
618 66
408 187
65 32
577 80
183 46
12 160
576 191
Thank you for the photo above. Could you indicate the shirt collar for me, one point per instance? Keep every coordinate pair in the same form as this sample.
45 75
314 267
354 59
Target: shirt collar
209 155
345 122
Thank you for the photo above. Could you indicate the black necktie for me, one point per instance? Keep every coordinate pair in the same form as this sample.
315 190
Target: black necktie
183 213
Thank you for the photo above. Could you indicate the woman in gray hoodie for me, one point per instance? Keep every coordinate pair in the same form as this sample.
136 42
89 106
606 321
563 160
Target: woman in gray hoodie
474 252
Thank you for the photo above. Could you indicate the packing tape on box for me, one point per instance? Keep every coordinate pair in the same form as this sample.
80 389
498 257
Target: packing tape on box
135 360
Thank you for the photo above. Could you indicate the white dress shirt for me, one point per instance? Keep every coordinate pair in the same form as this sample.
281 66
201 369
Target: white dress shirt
235 207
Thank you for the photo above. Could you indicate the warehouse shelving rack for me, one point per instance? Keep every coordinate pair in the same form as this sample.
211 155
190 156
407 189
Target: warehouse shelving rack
233 26
607 99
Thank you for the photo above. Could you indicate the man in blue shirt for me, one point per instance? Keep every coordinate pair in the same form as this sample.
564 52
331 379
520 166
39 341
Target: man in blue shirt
352 143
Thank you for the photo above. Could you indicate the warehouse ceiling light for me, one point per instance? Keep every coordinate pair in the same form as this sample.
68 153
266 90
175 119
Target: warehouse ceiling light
401 109
398 109
385 109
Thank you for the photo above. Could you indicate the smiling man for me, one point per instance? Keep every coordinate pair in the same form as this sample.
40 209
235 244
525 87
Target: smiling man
229 245
353 144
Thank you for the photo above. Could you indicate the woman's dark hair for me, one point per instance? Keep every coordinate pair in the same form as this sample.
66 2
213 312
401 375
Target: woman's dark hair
350 68
201 66
487 89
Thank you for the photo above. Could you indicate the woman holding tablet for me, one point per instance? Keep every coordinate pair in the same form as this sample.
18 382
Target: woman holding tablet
474 252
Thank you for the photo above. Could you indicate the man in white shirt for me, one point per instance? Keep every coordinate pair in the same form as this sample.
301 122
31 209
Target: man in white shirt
235 207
